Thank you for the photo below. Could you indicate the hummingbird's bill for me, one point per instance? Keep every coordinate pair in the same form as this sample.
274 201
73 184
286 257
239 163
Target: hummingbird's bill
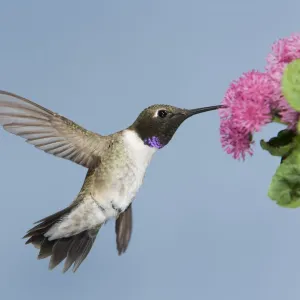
195 111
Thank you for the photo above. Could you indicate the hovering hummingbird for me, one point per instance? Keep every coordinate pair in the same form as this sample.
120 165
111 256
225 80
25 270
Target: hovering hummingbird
116 166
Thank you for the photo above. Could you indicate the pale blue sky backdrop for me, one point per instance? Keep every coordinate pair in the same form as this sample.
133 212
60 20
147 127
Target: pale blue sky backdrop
203 225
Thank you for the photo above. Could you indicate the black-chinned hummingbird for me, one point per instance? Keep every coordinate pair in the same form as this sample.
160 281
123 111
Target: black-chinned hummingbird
116 166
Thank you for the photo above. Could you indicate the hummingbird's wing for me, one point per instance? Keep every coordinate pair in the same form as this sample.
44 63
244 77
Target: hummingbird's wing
123 230
49 131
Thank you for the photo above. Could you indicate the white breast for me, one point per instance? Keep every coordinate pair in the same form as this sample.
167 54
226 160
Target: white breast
137 149
139 156
126 176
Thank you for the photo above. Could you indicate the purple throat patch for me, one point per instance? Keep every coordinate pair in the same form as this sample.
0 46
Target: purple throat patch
153 142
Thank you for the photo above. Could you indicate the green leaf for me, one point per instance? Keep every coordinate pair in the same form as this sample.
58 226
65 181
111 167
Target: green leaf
281 151
290 84
285 185
280 145
294 156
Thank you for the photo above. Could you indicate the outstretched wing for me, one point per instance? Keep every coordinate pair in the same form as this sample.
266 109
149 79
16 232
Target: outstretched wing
49 131
123 230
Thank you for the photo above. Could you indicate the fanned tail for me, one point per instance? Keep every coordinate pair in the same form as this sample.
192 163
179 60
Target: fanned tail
74 248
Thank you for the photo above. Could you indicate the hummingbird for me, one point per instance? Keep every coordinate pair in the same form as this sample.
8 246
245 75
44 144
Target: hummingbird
115 163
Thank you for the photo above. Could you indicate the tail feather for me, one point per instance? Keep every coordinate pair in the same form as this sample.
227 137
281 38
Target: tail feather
59 252
74 248
80 248
45 248
47 222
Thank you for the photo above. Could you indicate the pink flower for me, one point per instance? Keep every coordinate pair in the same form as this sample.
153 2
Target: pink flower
255 98
249 100
235 140
276 71
283 52
287 114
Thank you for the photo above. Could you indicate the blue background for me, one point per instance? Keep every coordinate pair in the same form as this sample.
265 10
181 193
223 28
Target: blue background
203 225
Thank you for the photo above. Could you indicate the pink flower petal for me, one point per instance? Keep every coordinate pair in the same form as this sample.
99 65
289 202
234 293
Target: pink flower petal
285 50
276 71
235 140
288 115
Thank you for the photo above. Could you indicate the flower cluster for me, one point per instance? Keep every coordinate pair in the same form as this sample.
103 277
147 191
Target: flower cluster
255 99
283 52
249 107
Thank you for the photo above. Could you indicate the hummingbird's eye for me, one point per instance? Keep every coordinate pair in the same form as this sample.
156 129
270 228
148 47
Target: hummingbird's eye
162 113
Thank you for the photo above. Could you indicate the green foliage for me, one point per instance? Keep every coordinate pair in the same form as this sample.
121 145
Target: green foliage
285 185
281 145
291 84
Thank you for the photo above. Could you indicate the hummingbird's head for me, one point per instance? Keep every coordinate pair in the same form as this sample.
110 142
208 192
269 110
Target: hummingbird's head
157 124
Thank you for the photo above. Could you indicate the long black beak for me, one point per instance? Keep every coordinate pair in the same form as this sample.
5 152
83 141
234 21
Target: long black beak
192 112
